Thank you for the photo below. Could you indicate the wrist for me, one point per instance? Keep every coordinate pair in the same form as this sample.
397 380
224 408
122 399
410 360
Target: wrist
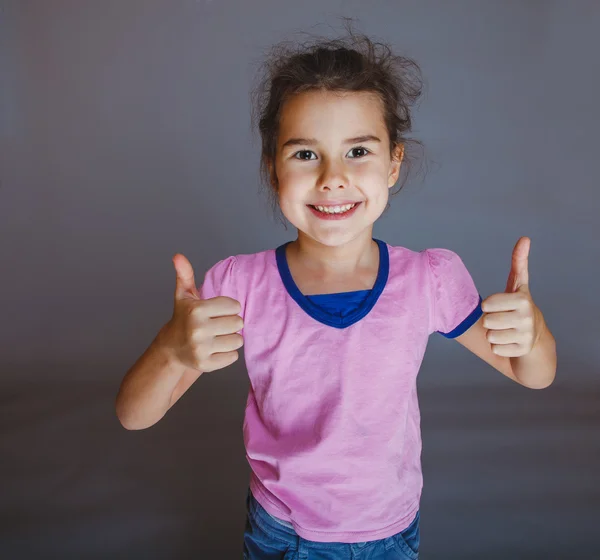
165 345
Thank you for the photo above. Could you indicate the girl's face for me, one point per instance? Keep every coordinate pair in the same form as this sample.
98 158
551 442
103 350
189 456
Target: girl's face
333 150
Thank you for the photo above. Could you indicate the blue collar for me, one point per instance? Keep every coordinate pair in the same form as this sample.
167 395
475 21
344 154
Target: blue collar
320 314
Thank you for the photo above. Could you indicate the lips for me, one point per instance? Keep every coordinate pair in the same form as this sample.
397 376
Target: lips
336 203
334 215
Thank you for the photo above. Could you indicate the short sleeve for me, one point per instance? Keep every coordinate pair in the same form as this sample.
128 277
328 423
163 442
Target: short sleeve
221 280
456 302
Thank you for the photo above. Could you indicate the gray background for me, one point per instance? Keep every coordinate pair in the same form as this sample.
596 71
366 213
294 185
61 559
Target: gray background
125 138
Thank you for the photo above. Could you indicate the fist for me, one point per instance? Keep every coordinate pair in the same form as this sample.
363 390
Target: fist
202 334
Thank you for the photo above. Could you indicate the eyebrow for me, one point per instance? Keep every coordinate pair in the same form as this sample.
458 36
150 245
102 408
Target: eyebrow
312 141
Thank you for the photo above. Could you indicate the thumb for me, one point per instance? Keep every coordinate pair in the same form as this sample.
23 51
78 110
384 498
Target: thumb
519 270
185 284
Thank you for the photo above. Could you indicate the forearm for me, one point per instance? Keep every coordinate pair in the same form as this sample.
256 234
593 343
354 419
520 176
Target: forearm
145 393
537 369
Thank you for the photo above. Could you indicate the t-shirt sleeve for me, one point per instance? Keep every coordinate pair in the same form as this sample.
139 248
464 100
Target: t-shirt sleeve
456 302
221 280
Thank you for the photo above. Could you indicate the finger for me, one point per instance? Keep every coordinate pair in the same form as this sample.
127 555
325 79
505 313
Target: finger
519 270
503 336
222 359
229 324
220 306
185 284
500 321
501 302
227 343
508 350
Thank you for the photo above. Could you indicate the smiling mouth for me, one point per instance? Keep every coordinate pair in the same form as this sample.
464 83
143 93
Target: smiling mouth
341 209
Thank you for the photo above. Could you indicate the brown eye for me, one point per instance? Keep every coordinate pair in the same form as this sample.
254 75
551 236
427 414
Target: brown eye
303 152
359 148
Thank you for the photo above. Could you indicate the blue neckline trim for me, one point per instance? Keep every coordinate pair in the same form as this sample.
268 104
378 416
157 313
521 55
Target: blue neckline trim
470 320
338 295
320 314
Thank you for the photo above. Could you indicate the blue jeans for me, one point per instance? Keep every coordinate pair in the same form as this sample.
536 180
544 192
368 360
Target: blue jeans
265 539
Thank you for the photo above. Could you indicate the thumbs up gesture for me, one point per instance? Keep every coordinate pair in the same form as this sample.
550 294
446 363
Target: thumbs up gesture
513 321
202 333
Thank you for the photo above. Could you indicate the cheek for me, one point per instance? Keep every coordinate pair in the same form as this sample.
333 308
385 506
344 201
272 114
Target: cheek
289 196
294 183
371 174
300 172
374 181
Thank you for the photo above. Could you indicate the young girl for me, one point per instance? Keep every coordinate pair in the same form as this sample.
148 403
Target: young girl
334 323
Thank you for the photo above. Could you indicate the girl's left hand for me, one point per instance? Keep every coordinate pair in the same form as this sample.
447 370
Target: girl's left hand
513 321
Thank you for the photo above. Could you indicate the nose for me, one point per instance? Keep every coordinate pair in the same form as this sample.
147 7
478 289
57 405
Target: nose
333 176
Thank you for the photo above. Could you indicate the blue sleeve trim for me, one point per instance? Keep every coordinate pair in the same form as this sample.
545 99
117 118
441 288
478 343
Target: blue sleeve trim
467 323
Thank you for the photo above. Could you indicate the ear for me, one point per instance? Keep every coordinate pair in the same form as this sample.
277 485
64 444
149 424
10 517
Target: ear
397 157
272 174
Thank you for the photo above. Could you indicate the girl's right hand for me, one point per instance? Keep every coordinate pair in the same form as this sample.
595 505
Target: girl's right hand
202 334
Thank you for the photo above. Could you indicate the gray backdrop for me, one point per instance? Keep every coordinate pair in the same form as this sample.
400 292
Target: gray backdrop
125 138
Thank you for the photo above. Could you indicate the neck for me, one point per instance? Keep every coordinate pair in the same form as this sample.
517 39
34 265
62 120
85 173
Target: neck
359 252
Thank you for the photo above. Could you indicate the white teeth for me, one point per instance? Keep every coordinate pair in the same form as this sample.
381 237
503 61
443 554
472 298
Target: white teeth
335 209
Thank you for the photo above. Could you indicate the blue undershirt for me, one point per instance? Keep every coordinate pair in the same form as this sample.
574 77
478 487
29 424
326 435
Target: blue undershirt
340 304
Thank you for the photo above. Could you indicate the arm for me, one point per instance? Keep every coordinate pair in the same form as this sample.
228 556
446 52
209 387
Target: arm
152 386
535 370
512 335
202 336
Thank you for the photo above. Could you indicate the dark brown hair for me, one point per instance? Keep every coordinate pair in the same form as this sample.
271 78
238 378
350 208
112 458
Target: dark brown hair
355 63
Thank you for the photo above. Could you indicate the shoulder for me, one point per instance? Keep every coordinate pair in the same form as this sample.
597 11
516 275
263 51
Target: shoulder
397 252
243 266
438 263
430 257
234 275
245 260
250 264
439 259
428 252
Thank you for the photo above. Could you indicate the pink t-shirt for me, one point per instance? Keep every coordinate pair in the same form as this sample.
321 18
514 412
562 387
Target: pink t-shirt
332 422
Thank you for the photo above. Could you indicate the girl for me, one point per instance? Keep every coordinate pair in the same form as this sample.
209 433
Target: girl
334 323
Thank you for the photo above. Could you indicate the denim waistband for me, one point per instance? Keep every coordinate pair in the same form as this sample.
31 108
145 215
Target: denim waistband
266 522
262 519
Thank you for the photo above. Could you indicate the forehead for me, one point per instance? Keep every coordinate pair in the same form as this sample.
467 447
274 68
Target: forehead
346 113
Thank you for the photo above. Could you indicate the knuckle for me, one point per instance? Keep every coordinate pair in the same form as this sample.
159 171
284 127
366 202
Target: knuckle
198 330
197 363
525 303
529 340
203 361
197 311
234 303
527 322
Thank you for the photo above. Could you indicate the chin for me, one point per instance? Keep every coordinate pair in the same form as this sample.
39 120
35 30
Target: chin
335 238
